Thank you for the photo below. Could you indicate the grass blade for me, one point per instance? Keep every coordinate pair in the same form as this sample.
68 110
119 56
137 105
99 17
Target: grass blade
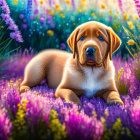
6 47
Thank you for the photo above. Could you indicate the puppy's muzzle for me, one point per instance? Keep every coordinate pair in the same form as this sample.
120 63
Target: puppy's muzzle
90 55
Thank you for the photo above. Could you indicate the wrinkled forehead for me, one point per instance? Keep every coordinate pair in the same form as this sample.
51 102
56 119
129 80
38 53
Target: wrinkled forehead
92 29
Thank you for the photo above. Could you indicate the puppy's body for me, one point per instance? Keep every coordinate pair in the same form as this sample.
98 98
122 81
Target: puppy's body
90 73
60 67
48 64
88 79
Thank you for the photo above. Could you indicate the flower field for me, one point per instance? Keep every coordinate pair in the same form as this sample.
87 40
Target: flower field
29 26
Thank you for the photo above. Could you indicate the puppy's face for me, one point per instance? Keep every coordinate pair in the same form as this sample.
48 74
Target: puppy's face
93 42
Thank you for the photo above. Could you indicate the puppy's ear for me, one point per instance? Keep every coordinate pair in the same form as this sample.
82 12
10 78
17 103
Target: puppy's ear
72 41
115 42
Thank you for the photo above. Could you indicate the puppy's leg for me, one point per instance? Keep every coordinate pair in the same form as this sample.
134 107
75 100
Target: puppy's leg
68 95
112 97
33 75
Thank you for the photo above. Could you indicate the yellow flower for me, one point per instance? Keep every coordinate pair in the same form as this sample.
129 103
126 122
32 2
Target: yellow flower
51 13
56 127
74 23
125 16
50 32
94 114
119 74
82 4
63 16
122 69
67 2
130 23
19 80
106 112
131 42
15 2
41 2
102 6
117 125
131 27
92 14
60 14
79 10
110 11
118 12
102 120
57 7
136 17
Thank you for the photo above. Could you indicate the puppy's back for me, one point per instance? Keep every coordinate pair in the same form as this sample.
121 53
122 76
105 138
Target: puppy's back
48 64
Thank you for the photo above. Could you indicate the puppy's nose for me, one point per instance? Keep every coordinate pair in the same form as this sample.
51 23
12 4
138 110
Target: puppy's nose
90 51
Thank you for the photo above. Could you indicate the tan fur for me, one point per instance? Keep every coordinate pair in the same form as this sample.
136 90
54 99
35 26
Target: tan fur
73 76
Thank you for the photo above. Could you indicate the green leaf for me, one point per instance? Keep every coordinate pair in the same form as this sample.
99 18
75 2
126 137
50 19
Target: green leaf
5 47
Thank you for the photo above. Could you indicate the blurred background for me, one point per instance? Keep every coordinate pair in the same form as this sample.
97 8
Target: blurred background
47 24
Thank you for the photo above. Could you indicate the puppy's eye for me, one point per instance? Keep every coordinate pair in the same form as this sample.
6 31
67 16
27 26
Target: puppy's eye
82 37
101 38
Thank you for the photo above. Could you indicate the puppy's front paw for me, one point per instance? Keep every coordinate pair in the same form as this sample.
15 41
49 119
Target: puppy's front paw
24 89
118 101
114 98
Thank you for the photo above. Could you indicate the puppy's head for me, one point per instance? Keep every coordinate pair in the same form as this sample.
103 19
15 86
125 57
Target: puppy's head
93 42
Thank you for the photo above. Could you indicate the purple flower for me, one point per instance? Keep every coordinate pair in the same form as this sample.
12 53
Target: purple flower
81 127
9 21
73 4
135 114
80 123
37 107
63 46
42 19
52 25
1 2
110 17
24 20
3 16
49 17
5 126
50 3
35 1
4 7
21 16
120 6
13 27
31 17
24 26
29 7
17 36
13 35
137 4
36 11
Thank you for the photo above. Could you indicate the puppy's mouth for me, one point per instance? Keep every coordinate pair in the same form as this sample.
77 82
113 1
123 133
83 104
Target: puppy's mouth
90 61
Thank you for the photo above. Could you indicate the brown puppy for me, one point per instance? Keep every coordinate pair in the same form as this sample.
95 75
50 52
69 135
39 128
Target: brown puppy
89 71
